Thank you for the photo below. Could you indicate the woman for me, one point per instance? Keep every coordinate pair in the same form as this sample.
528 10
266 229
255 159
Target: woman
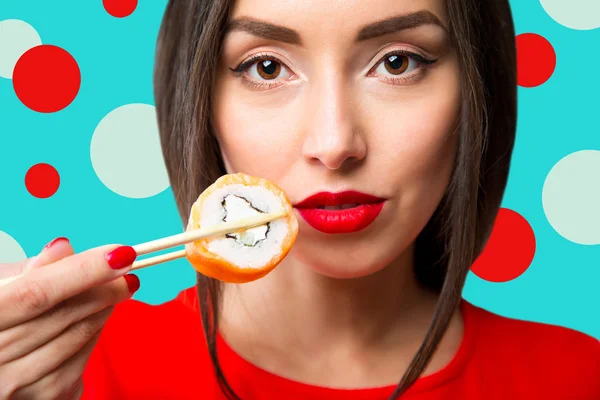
413 102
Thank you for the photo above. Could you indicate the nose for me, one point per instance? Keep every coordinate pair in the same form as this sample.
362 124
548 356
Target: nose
332 138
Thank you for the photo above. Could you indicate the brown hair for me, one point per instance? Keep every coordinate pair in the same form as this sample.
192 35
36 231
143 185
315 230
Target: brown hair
188 52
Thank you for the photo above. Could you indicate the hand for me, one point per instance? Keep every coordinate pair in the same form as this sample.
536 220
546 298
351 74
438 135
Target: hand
52 315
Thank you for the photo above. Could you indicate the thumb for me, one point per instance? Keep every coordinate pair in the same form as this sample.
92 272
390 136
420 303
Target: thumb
54 251
13 269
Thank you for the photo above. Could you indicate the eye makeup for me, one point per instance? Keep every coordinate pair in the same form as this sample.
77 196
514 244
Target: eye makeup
406 57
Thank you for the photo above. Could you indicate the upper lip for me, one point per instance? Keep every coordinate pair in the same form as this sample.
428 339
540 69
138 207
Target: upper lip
337 199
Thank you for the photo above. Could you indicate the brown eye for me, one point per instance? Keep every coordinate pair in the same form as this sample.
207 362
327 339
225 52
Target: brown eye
268 69
397 64
264 70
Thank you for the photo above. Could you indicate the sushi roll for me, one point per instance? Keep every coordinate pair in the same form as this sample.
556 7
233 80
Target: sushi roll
248 255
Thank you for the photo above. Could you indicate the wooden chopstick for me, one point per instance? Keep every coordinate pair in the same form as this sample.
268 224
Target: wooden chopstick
187 237
202 233
147 262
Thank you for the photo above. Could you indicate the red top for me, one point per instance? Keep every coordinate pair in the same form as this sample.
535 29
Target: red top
158 352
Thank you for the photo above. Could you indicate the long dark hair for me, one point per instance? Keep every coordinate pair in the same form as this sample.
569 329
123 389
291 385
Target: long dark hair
482 32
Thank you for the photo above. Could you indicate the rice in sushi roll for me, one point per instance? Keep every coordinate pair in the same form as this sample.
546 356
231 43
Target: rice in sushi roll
248 255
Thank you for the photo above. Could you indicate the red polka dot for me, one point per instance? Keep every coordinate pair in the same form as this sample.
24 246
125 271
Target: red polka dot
509 250
536 60
46 78
119 8
42 180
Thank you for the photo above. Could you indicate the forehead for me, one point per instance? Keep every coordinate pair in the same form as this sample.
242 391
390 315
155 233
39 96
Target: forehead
323 19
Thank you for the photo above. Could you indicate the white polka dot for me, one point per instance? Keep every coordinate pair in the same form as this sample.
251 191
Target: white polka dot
571 197
10 250
126 153
574 14
16 37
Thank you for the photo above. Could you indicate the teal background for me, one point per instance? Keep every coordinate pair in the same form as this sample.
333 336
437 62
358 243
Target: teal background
115 57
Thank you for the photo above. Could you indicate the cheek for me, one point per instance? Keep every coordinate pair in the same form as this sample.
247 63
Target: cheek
431 143
256 136
415 153
416 134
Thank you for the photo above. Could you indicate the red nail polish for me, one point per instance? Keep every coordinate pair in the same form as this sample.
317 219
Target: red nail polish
133 283
52 243
121 257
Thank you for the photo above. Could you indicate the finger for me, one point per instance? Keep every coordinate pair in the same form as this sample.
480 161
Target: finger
50 389
56 250
65 382
79 391
14 269
34 366
53 251
43 288
22 339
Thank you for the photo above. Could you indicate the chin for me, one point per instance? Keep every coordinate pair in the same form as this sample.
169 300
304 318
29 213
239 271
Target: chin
343 258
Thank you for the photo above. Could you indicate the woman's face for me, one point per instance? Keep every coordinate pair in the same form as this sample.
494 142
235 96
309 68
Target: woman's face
326 101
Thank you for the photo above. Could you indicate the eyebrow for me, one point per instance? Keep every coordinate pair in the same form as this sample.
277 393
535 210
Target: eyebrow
399 23
282 34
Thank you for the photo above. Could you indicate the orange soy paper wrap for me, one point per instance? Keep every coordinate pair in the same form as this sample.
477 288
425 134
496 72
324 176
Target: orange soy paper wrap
228 258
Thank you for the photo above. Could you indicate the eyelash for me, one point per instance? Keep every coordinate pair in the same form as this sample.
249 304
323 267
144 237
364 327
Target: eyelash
244 66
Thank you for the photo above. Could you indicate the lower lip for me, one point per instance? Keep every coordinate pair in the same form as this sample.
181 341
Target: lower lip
341 221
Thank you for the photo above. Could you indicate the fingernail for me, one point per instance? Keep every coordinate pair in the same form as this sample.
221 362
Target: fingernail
52 243
121 257
133 283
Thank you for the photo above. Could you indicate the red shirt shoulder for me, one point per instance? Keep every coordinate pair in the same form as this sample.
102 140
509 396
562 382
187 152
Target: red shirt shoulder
534 359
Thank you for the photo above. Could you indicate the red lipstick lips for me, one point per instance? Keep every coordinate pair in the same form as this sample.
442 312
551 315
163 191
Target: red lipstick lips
343 212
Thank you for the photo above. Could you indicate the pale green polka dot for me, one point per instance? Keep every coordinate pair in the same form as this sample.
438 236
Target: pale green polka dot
16 37
126 153
10 250
571 197
574 14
